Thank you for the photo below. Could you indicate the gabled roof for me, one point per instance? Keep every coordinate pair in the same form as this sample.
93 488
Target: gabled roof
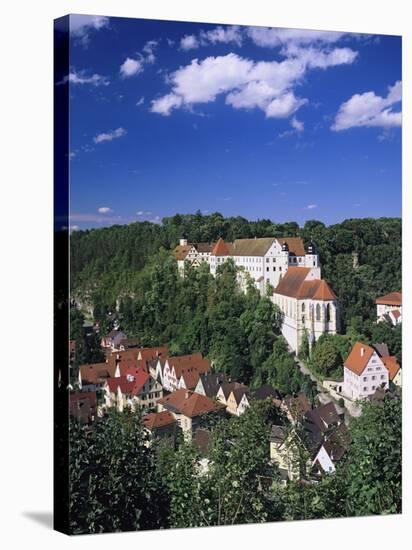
238 394
359 357
158 420
189 403
295 245
82 405
294 285
97 373
381 349
211 382
391 299
228 387
318 421
221 248
114 333
252 247
129 385
392 365
149 354
189 363
338 443
181 251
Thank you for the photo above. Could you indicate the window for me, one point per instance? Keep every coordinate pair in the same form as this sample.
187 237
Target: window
373 387
267 269
365 388
267 260
280 268
273 260
373 377
328 313
317 312
303 307
382 376
364 378
274 268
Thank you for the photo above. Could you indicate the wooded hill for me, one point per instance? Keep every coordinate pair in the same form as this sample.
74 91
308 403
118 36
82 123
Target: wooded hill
360 258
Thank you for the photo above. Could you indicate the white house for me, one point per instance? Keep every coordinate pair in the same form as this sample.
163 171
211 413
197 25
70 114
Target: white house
389 308
364 371
308 304
138 390
169 371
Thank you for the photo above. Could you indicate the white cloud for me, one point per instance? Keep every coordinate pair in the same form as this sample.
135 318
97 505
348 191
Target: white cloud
223 35
266 85
297 125
140 101
139 213
164 105
270 37
149 49
81 78
104 210
131 67
311 206
73 228
82 25
72 154
109 136
371 110
189 42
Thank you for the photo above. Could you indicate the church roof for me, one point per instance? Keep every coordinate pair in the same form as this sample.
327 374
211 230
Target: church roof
294 285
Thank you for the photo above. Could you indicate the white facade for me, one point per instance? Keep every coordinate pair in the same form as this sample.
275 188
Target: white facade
373 376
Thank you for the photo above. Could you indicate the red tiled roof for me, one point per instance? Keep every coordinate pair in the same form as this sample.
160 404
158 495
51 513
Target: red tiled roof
97 373
190 404
356 361
81 396
294 285
392 366
221 248
158 420
129 385
391 299
396 313
189 363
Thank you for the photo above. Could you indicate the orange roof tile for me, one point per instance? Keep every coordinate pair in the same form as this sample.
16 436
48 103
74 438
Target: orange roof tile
158 420
295 245
190 404
358 359
392 366
294 285
221 248
391 299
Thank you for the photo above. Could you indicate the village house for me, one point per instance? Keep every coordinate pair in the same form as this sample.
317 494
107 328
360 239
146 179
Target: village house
389 308
286 452
113 339
226 389
238 401
192 254
83 406
190 410
331 451
92 377
267 392
364 371
170 370
209 383
308 304
133 390
160 426
320 421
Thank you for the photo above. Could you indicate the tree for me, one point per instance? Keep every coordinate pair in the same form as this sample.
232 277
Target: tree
113 487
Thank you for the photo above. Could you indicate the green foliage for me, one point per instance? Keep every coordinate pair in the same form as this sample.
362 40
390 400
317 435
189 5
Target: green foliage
328 355
374 466
113 486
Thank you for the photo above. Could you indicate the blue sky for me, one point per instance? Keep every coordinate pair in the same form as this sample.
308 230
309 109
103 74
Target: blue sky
284 124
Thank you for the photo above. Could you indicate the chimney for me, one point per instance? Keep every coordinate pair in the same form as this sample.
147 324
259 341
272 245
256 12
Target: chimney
187 394
362 351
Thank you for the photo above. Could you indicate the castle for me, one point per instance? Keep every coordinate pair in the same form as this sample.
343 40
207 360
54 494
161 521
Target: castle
308 304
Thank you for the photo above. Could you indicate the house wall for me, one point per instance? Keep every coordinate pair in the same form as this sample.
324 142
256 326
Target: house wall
374 375
324 460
